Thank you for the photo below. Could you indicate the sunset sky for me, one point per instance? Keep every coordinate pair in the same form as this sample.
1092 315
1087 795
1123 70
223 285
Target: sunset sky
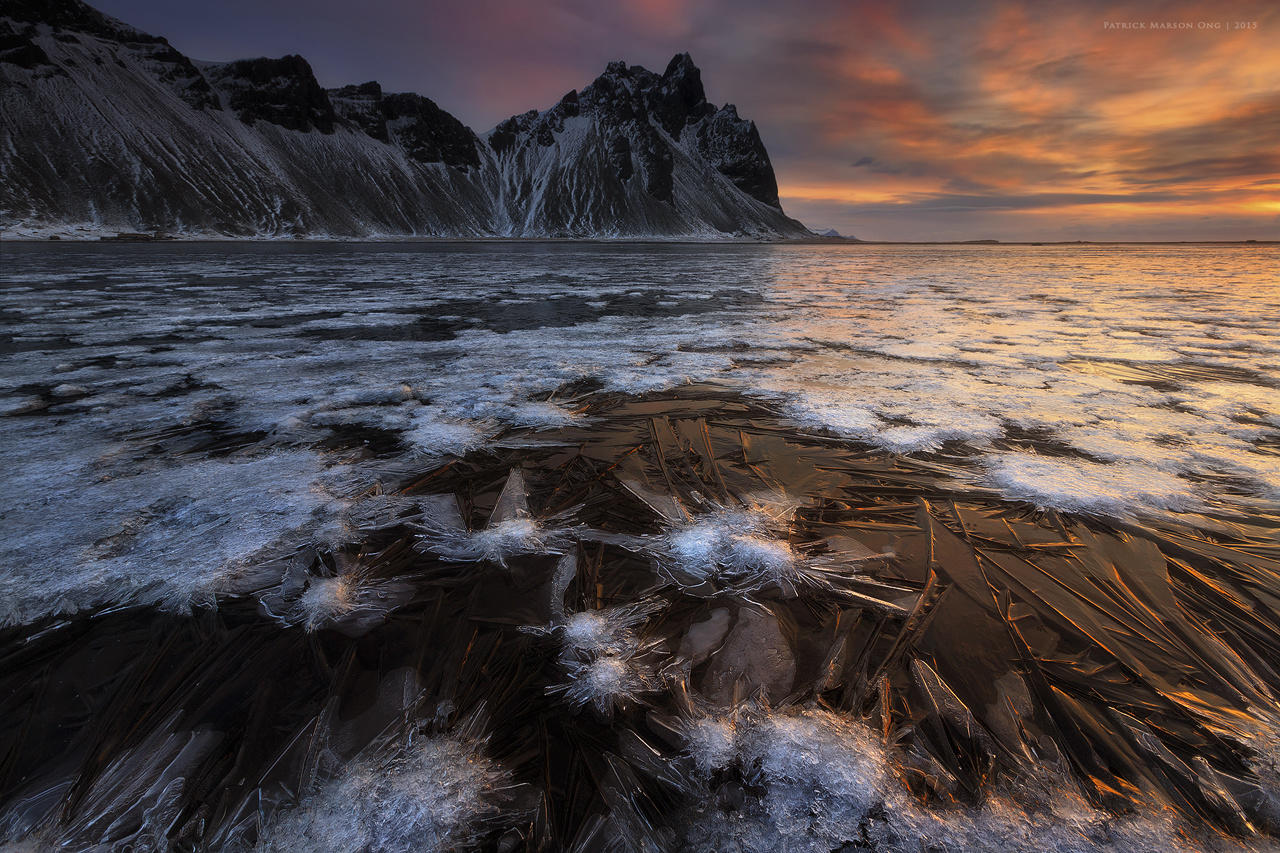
888 121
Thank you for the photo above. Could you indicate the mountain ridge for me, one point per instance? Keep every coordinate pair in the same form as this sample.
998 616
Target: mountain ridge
104 128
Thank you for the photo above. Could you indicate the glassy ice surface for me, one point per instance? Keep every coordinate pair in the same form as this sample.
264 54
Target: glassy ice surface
185 425
1121 381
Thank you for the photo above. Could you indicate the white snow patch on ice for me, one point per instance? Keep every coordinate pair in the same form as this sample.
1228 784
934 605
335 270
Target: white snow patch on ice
820 782
612 630
434 436
433 795
605 683
736 544
496 542
1077 485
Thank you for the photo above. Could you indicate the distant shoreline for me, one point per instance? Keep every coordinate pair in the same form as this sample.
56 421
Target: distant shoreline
688 241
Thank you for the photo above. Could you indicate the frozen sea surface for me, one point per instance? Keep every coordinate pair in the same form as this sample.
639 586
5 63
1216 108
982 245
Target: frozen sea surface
361 561
172 410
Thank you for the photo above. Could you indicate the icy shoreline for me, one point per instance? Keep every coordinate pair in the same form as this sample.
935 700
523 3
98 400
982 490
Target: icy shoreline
93 234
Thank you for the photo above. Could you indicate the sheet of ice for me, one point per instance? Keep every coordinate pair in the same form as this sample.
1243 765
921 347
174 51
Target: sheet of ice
565 572
84 530
704 637
1164 360
131 804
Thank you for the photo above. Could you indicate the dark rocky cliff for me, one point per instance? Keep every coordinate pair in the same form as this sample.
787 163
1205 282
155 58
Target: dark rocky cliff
280 91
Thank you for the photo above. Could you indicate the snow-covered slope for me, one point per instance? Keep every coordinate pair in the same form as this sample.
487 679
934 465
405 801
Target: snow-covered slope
104 129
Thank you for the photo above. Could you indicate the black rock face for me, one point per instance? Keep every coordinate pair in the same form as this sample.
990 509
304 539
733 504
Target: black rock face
503 138
280 91
628 102
533 127
17 48
733 145
416 124
361 106
619 154
680 98
427 133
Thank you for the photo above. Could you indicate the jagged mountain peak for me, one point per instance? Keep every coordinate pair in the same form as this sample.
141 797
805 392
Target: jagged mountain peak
683 81
681 65
633 103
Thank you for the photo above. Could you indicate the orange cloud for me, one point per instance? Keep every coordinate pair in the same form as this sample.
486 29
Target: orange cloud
1024 108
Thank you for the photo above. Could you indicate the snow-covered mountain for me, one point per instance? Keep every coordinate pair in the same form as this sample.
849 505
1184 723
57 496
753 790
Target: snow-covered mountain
104 128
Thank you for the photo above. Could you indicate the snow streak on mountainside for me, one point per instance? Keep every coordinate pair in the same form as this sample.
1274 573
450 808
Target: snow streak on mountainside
104 128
